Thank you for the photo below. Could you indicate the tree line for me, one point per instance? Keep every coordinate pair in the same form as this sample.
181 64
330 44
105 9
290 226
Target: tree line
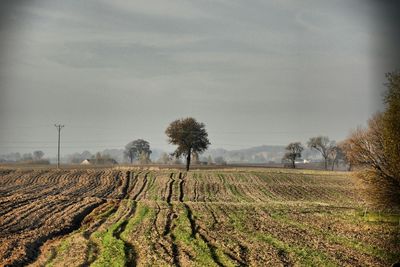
330 151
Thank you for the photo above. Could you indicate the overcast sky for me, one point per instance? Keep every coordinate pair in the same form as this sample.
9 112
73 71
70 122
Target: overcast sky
255 72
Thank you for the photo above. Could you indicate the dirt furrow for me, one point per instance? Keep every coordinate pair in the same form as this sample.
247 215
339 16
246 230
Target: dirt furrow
169 225
170 188
136 196
181 184
125 185
31 242
195 230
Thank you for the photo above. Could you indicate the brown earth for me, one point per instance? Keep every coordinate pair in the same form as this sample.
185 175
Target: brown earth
229 217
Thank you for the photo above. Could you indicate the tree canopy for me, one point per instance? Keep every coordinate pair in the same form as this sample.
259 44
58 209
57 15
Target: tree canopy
138 149
293 151
189 135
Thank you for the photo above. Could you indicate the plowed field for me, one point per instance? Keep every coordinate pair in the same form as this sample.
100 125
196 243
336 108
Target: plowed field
238 217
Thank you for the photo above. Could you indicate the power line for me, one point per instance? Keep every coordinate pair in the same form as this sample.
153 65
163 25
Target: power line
59 127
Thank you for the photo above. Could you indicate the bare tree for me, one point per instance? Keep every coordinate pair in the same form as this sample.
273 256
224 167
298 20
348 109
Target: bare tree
189 135
367 148
323 145
377 148
293 151
345 147
336 154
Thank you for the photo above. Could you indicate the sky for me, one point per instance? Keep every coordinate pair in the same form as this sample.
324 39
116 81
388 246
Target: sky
255 72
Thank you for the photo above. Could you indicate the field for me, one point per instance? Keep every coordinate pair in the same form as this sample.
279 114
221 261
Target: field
231 217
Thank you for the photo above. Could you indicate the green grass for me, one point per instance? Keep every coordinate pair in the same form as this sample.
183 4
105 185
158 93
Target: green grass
379 217
183 234
63 247
142 211
112 252
107 213
112 249
341 240
306 256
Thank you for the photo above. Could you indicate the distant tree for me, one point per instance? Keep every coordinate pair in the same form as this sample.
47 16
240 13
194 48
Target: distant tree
135 149
144 158
336 154
85 155
98 158
220 160
27 157
77 158
345 147
323 145
209 160
195 158
38 155
259 158
190 136
102 158
176 161
293 152
164 158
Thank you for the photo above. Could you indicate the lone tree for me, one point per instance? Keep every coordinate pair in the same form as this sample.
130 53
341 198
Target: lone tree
323 145
38 154
189 135
138 148
293 151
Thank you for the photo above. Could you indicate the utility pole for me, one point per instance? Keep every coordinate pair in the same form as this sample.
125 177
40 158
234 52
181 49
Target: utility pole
59 127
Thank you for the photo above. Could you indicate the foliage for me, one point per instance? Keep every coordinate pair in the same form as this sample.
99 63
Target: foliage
189 135
377 148
138 149
391 124
293 151
100 158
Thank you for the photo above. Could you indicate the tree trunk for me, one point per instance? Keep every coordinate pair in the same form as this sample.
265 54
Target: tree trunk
188 160
326 163
294 164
